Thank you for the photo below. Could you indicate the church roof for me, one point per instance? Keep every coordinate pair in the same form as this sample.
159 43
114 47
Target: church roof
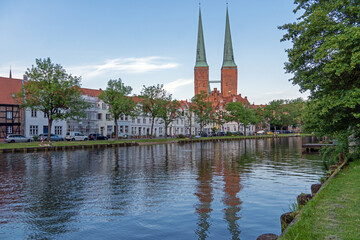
228 49
200 50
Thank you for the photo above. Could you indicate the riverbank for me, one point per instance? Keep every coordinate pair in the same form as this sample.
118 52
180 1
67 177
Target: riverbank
37 146
334 212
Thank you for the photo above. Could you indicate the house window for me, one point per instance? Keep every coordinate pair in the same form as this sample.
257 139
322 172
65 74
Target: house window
133 120
108 117
34 130
9 129
121 129
58 130
126 118
104 106
160 130
99 116
144 121
9 115
126 129
138 120
33 113
109 129
45 115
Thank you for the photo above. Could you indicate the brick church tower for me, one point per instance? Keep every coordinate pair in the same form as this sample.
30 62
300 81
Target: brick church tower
229 68
201 71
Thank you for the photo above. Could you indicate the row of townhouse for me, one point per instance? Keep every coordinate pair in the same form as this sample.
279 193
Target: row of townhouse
14 120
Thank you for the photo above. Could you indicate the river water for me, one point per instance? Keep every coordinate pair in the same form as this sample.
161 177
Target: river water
221 190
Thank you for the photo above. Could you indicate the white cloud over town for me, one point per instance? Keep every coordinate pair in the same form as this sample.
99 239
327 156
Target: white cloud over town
127 65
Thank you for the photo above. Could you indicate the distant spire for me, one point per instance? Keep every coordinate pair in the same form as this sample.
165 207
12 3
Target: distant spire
228 49
10 75
200 50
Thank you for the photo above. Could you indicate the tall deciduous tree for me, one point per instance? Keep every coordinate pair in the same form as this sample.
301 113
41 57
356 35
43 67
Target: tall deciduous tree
325 60
153 101
202 109
241 114
116 96
53 91
169 112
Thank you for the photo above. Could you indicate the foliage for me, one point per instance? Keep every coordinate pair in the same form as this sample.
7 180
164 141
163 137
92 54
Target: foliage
181 136
54 92
202 109
283 113
120 104
154 100
241 114
325 60
169 112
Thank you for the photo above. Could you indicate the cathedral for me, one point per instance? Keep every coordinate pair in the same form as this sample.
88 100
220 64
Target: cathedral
228 71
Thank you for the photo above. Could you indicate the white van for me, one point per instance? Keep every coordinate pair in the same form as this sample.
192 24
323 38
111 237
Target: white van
75 136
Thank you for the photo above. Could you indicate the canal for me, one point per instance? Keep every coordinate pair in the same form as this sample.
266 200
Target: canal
213 190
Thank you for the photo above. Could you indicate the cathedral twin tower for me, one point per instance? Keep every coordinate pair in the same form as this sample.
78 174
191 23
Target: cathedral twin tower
228 70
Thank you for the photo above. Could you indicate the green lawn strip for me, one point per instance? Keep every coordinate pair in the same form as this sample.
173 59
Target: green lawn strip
147 140
335 212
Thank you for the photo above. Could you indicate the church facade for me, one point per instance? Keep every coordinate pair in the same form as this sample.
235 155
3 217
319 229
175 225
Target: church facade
229 73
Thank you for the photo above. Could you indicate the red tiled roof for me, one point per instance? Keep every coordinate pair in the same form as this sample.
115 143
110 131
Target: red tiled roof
9 86
91 92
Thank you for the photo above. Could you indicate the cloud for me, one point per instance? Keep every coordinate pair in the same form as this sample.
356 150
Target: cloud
128 65
175 85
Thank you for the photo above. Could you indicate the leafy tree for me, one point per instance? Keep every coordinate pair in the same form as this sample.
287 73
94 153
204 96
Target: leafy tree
325 60
154 99
116 96
189 115
219 118
202 109
169 112
241 114
273 113
53 91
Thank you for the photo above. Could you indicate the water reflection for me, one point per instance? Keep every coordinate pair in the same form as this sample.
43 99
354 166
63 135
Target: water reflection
205 190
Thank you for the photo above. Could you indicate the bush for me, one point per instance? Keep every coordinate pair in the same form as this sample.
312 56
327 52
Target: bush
229 134
181 136
35 137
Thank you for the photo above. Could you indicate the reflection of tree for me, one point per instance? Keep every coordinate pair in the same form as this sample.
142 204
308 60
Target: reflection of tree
204 194
51 199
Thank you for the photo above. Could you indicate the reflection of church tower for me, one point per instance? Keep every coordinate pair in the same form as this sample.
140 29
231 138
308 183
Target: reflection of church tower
201 72
229 68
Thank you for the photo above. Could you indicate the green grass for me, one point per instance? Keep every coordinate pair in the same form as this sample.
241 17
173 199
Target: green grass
144 140
334 213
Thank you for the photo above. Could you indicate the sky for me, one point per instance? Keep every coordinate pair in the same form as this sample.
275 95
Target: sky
147 42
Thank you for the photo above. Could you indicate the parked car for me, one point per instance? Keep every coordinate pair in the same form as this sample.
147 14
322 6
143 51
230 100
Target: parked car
15 138
53 137
95 136
75 136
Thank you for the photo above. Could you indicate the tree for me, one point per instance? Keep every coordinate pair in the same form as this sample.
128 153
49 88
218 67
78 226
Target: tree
202 109
189 116
116 96
51 90
219 118
325 60
240 113
169 112
154 99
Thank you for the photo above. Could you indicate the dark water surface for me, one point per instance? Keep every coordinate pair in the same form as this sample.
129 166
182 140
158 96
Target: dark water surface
223 190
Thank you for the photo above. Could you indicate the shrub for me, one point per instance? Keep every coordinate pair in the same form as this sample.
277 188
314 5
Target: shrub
181 136
228 134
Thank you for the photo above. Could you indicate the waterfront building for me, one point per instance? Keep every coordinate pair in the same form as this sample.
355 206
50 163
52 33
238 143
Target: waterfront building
12 117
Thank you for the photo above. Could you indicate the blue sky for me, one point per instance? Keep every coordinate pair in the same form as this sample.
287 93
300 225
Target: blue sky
147 42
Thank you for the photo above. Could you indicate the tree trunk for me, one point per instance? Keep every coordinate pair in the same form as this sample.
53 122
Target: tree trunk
166 127
116 129
50 121
152 126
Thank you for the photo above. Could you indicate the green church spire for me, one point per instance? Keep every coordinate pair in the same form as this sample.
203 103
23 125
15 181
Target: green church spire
200 50
228 49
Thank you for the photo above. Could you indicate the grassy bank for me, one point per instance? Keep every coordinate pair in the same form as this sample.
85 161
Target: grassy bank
143 140
334 212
